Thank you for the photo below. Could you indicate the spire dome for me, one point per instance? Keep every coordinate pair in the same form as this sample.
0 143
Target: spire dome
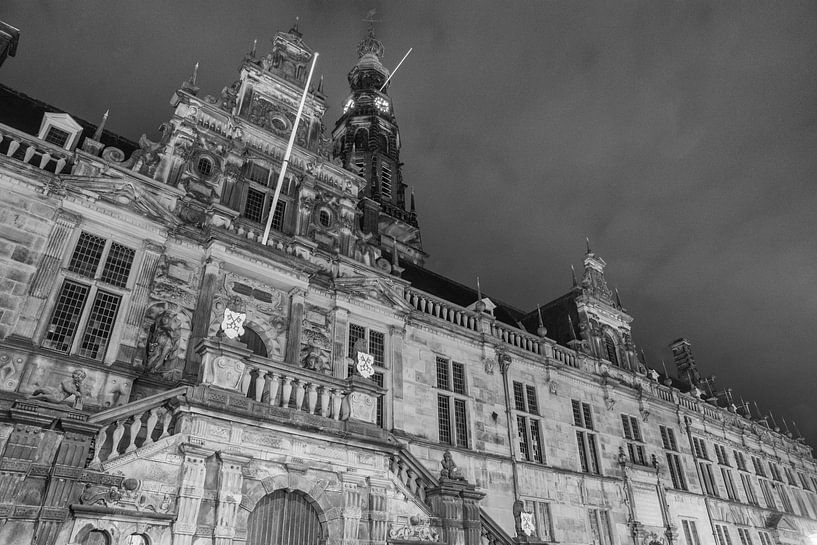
370 45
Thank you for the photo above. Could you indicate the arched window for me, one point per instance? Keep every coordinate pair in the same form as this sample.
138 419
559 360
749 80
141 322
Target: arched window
610 344
324 218
137 539
205 166
284 518
96 537
253 342
361 140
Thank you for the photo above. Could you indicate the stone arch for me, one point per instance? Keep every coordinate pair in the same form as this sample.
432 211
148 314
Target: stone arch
86 530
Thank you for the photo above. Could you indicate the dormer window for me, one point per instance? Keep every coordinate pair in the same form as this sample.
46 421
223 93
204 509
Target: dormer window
56 136
60 130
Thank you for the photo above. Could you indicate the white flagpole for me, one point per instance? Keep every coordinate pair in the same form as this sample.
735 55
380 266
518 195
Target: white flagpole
288 152
395 69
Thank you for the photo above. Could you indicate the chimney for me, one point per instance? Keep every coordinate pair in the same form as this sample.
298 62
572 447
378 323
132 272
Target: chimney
9 37
684 361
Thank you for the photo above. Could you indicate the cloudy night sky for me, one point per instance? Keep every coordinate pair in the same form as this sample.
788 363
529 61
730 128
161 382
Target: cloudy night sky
680 136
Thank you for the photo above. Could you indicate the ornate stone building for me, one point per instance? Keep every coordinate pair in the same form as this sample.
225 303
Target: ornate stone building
167 378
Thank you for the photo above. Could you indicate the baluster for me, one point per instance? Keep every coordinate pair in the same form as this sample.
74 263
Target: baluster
401 473
117 437
312 398
411 480
135 426
421 491
286 391
300 390
275 385
29 154
44 159
325 397
153 418
422 299
337 399
245 381
260 382
13 146
101 435
167 418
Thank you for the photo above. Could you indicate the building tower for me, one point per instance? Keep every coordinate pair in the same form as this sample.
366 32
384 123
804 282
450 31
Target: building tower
367 141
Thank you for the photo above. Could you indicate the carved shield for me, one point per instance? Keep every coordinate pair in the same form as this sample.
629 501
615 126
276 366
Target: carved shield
528 523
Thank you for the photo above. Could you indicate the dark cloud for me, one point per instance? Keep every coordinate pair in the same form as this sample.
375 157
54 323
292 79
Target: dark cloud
680 136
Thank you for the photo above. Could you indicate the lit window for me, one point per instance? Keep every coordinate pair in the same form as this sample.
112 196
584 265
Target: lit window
585 439
348 105
381 104
205 166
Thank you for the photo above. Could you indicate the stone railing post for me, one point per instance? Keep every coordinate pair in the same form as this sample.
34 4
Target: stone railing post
190 493
230 483
456 504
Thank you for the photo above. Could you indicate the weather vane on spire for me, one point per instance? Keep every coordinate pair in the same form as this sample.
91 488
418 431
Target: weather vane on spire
370 18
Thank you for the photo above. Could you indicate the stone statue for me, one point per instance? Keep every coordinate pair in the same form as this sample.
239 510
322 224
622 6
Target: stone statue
163 341
69 391
450 470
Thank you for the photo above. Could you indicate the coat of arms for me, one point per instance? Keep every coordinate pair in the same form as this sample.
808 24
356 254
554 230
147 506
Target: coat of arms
365 364
528 523
233 323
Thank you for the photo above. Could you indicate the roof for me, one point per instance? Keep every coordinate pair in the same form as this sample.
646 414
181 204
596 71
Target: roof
25 114
454 292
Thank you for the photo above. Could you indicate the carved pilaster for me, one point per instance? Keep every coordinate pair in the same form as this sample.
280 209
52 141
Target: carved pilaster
340 331
353 494
42 283
456 503
201 316
296 315
230 483
191 491
378 509
139 298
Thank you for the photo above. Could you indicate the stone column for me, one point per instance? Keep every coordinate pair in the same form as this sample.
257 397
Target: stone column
230 483
42 283
353 494
456 504
201 316
297 297
191 491
378 509
139 300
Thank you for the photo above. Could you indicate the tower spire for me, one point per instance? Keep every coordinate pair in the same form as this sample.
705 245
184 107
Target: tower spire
101 126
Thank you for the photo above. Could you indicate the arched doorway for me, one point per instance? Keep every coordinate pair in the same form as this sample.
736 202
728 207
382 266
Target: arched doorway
284 518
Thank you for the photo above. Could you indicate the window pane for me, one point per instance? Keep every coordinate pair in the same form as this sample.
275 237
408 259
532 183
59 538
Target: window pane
118 265
522 430
588 418
63 325
87 253
378 379
582 451
278 217
377 347
593 456
356 333
625 423
533 404
444 418
536 441
461 422
100 324
56 136
636 429
258 174
443 381
254 205
518 396
577 413
458 376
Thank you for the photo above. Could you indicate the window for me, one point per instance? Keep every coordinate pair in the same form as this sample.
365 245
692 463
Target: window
758 466
751 497
784 498
690 532
385 180
745 538
96 537
610 345
676 470
632 433
56 136
790 476
95 265
586 441
729 483
258 174
530 437
699 447
600 526
204 166
254 343
541 514
804 481
452 424
136 539
363 339
720 454
765 539
324 218
255 207
768 496
708 479
775 472
740 461
722 535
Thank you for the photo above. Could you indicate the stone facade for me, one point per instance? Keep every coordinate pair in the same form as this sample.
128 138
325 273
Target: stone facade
166 377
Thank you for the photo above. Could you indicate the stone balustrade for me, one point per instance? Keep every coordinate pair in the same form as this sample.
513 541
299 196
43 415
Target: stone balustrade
565 356
517 337
439 308
135 425
411 474
30 149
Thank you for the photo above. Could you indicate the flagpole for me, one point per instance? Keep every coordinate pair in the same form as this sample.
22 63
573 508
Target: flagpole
285 162
395 70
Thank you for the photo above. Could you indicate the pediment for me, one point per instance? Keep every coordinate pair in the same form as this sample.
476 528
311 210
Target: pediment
375 289
123 193
779 521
